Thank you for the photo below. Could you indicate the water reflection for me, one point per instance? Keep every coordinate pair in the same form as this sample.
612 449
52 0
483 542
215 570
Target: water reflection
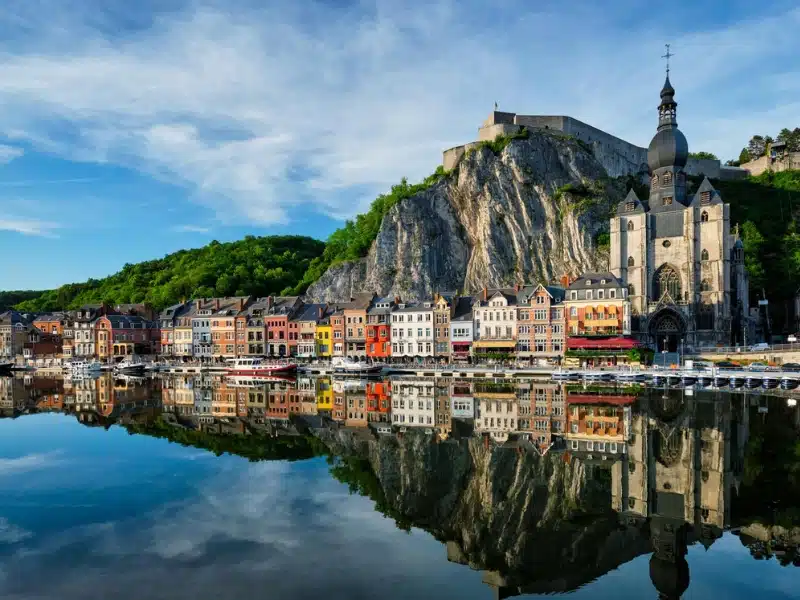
542 487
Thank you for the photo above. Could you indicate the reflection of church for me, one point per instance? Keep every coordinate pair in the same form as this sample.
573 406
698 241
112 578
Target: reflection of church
684 457
675 251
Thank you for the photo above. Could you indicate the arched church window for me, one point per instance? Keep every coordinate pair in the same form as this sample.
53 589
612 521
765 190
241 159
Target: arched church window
704 254
667 179
630 261
704 217
631 290
667 280
705 285
666 200
630 225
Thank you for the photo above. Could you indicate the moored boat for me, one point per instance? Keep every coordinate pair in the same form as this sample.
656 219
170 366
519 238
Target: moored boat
82 367
259 367
130 366
720 380
346 365
789 383
6 368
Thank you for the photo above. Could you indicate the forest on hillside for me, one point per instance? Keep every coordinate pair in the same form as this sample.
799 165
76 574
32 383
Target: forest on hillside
257 266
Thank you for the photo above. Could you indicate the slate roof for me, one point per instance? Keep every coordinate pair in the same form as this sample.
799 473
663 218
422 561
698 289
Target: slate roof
591 281
462 309
127 321
310 312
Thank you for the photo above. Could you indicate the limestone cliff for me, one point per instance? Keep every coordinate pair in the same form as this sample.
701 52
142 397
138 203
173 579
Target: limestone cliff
498 218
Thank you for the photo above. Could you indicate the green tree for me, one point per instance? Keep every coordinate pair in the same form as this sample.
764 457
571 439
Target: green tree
753 244
703 155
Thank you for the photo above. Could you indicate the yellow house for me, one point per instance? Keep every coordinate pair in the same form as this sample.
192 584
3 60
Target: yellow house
324 394
324 338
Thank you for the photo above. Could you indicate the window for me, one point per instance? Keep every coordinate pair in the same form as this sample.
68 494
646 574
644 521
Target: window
588 294
667 280
573 295
704 217
705 198
704 254
600 294
589 445
631 290
612 293
654 180
667 179
573 312
629 206
666 200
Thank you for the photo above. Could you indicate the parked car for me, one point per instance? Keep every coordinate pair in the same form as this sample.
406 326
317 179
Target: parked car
790 367
757 366
759 347
792 338
726 364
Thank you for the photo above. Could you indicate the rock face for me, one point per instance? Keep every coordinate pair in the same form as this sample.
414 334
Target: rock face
497 220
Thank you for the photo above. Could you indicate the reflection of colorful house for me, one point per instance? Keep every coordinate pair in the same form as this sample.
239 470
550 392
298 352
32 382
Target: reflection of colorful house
356 412
379 398
602 350
118 336
497 414
598 424
542 414
324 395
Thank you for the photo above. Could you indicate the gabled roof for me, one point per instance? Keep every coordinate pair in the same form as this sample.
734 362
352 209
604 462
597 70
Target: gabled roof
310 312
127 321
510 294
624 206
229 307
360 301
706 187
462 309
283 305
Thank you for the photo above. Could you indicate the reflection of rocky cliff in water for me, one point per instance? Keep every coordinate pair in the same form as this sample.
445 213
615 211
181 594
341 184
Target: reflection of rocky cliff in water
544 524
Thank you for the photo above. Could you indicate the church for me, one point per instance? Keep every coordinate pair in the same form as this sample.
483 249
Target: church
676 253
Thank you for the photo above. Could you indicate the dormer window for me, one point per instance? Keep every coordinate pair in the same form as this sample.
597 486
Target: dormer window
705 198
666 200
602 282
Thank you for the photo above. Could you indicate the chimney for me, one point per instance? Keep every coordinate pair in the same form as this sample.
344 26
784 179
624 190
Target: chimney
320 312
485 294
216 303
197 303
516 287
397 299
241 303
270 300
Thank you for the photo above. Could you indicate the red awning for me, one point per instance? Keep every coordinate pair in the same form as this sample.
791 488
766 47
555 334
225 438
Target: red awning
599 399
609 343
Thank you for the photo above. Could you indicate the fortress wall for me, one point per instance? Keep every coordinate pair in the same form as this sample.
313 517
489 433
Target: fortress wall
703 166
540 122
451 156
490 132
765 163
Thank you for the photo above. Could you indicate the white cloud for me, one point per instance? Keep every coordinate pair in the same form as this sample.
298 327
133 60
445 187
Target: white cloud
9 153
264 113
27 463
12 534
190 229
27 226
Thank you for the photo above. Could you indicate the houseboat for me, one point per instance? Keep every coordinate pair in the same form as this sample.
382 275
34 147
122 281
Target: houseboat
255 367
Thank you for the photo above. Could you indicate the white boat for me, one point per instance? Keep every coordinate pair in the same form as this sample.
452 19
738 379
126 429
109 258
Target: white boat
348 366
130 366
80 367
255 367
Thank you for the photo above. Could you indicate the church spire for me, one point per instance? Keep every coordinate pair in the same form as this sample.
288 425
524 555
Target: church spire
667 110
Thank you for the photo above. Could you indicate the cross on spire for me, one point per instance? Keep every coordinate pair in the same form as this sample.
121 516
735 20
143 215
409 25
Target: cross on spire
667 55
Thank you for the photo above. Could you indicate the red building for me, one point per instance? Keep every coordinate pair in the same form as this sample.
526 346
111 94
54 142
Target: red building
378 336
379 401
279 342
118 336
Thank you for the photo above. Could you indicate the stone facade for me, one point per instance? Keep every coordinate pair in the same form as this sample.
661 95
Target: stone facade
675 252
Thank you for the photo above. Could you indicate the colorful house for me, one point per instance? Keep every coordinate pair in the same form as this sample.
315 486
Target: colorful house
355 317
119 336
324 336
540 323
279 342
338 330
461 330
307 320
495 315
223 325
443 305
378 336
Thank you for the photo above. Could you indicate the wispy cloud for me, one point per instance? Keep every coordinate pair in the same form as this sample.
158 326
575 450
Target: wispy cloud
12 534
29 226
36 182
265 112
27 463
191 229
9 153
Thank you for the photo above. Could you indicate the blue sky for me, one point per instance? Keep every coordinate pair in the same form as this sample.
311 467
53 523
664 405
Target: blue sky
132 129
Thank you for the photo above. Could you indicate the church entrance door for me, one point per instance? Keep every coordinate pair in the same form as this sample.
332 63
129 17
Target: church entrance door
667 329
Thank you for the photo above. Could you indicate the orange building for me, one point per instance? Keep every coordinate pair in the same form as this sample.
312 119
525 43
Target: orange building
378 340
597 304
379 401
52 323
598 424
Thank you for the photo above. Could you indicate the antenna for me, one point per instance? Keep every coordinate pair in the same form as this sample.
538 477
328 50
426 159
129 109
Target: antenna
667 56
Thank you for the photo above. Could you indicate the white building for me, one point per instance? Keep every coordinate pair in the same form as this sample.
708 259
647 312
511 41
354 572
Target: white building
462 330
497 415
412 330
201 329
495 321
413 403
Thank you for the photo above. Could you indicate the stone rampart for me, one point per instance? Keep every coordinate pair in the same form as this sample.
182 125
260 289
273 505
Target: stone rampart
617 156
766 163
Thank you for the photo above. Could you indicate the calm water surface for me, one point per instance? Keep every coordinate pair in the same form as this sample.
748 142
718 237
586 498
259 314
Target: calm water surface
398 489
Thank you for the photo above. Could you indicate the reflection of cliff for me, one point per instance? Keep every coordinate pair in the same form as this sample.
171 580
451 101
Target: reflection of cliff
546 524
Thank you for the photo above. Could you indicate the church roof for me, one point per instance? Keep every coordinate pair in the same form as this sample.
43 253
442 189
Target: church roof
713 196
669 147
631 204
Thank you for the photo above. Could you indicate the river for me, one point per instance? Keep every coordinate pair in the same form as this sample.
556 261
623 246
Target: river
200 487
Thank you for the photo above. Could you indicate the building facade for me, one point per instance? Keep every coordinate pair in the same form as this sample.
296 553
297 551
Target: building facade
412 330
442 312
597 305
676 253
495 317
461 330
540 323
379 338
